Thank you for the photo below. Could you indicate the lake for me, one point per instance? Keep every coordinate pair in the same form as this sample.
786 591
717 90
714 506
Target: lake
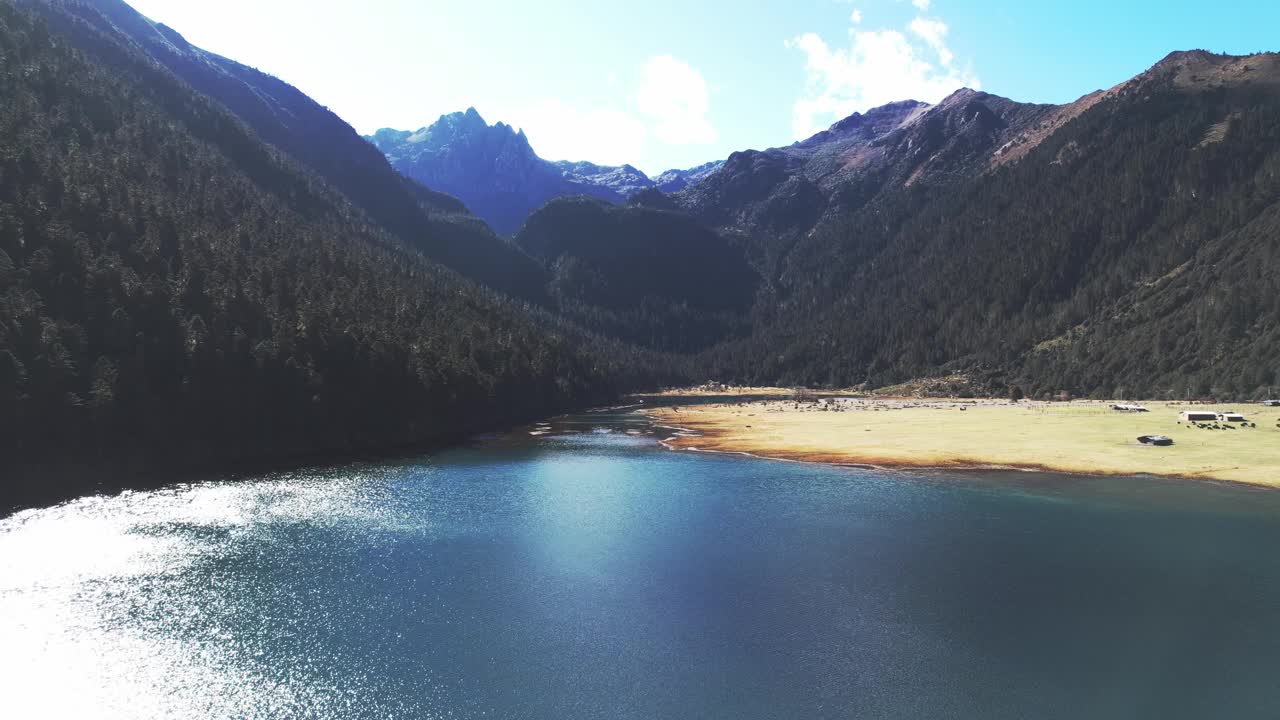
589 573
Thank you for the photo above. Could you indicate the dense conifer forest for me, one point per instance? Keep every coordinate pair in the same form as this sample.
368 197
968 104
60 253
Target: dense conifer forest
1131 254
176 294
653 277
114 35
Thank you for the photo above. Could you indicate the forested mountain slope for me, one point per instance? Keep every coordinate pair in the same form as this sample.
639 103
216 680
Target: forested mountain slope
110 32
176 293
1118 245
777 196
199 265
1126 251
650 276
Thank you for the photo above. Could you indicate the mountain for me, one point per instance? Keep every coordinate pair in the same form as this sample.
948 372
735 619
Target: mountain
282 116
1108 247
1113 246
676 180
779 195
495 172
199 266
178 294
622 181
652 277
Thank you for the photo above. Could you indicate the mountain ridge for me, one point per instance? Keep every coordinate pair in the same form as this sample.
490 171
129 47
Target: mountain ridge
496 173
178 295
308 132
1042 245
198 263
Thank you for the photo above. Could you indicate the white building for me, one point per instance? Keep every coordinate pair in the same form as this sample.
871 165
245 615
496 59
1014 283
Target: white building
1129 408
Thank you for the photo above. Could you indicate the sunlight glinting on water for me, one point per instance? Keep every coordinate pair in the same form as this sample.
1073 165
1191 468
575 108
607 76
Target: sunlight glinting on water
585 573
67 574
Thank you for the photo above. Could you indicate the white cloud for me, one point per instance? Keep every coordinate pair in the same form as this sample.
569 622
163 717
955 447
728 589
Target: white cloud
669 106
601 135
934 33
878 67
855 17
922 5
675 99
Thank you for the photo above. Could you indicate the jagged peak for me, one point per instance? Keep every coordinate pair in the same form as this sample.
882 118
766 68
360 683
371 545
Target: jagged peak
469 118
898 105
967 95
897 109
880 119
463 124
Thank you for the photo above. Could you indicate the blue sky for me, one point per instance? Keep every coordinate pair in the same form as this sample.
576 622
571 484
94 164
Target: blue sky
665 83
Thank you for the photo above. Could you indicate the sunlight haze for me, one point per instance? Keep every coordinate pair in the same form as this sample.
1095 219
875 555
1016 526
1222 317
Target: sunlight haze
670 84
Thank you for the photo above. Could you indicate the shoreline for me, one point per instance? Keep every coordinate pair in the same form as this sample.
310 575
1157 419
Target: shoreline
904 467
790 437
44 486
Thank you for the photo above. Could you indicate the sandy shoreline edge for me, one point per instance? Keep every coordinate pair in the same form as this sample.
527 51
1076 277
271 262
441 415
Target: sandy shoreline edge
913 435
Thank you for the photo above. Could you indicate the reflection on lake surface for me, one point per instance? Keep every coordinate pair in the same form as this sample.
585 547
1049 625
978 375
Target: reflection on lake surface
591 574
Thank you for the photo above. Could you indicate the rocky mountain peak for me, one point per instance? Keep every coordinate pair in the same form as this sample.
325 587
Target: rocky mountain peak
1179 58
676 180
1198 70
494 170
389 135
465 137
873 123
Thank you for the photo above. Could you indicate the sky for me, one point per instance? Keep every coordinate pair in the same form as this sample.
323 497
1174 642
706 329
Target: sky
666 84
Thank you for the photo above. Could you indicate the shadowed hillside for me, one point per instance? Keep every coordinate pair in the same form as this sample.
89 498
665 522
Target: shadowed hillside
111 33
649 276
1120 253
177 294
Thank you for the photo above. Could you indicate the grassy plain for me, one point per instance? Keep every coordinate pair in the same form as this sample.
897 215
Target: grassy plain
735 391
1076 437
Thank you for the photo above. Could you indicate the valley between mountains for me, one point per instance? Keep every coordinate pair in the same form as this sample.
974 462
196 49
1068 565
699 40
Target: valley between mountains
201 267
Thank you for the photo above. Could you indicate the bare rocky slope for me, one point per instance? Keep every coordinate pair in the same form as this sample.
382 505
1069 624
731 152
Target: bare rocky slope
494 170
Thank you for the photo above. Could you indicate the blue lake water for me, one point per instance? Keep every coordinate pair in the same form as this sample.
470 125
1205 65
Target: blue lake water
588 573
